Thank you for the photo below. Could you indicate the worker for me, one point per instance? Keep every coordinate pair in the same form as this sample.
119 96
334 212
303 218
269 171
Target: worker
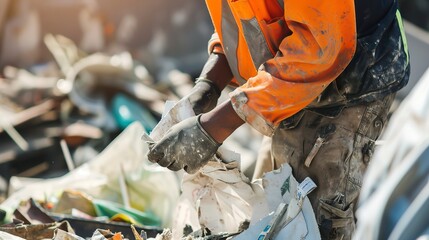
317 77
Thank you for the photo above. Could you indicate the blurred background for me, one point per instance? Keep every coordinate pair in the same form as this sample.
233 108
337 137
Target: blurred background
81 71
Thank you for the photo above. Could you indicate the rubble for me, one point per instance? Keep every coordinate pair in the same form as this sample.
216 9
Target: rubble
73 108
83 121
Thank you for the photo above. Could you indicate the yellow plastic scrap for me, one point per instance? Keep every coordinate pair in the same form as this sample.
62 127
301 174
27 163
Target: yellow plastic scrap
121 217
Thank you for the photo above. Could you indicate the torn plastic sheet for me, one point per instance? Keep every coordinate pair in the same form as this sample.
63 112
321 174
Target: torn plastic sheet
63 235
220 198
5 235
210 200
217 196
150 188
101 234
279 186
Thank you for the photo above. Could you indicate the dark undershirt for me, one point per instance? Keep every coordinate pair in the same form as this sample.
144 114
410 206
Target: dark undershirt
368 13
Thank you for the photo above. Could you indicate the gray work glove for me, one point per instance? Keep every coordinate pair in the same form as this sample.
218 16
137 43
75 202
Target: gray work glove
203 96
186 145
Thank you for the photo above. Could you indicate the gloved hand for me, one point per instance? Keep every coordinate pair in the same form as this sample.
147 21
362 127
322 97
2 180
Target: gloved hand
203 96
186 145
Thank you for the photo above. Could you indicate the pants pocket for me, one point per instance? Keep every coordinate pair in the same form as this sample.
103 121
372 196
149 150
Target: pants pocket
334 222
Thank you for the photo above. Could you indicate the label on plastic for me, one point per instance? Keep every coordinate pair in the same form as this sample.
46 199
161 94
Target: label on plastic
305 187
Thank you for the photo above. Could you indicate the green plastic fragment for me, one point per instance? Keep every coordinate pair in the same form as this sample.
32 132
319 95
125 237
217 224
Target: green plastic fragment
111 209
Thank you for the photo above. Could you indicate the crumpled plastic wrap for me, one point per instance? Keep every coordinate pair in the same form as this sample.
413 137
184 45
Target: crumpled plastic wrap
150 188
218 197
276 187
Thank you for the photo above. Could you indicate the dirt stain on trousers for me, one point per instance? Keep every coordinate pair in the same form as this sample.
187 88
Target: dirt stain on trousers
335 153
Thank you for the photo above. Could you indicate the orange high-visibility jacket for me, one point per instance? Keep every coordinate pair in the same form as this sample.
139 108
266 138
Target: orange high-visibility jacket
284 53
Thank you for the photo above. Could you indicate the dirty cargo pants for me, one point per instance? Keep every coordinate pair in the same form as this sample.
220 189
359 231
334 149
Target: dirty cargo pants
334 153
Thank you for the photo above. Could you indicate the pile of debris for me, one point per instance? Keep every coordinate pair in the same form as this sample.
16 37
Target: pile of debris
58 119
69 158
86 103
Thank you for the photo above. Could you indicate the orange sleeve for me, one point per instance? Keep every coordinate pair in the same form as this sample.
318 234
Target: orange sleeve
321 45
214 44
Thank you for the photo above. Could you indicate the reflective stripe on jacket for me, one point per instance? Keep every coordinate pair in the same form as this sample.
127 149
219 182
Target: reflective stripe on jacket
284 53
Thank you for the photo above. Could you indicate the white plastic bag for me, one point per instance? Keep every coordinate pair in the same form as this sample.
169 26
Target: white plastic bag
149 187
220 198
279 186
217 196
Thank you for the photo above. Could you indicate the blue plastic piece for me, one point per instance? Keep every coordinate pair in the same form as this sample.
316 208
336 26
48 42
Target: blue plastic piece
126 111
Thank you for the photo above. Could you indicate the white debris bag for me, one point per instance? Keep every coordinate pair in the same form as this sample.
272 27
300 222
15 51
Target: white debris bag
217 196
297 220
220 198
